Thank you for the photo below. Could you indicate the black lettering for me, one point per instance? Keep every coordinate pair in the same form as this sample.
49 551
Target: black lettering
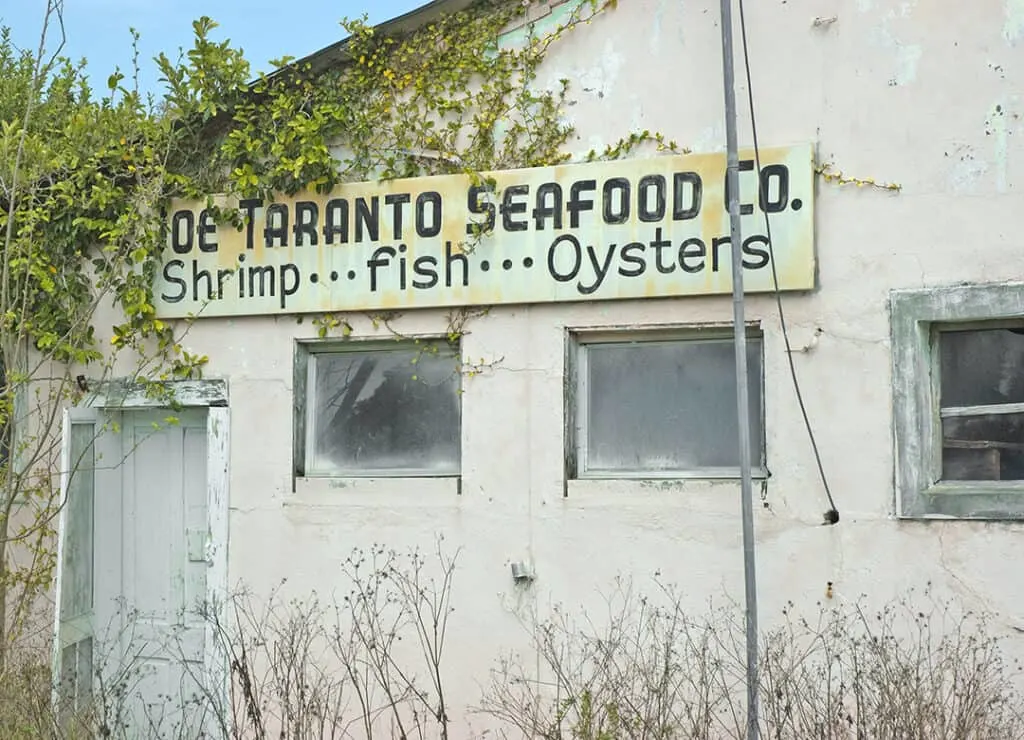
222 275
277 225
751 251
434 199
543 210
627 256
658 244
681 210
449 258
643 197
249 206
197 277
426 267
288 270
266 274
578 204
480 207
715 244
620 216
780 173
206 228
396 201
600 270
306 215
509 208
746 165
564 277
336 220
381 256
180 282
692 248
182 224
368 218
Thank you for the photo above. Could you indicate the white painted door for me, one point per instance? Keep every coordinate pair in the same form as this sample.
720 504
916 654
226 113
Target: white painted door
149 533
162 565
75 597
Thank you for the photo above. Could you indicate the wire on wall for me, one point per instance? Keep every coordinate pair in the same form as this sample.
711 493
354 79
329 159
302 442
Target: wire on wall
832 515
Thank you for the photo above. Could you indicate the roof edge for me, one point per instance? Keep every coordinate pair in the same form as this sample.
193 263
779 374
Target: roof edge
327 57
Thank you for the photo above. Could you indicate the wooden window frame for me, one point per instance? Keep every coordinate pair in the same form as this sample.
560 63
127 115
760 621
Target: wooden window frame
305 353
917 318
576 393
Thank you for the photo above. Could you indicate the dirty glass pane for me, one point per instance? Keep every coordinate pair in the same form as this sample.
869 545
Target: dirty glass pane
83 680
984 447
668 406
75 686
77 573
982 367
384 410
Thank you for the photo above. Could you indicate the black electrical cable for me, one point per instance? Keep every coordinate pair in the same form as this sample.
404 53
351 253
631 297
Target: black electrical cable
832 515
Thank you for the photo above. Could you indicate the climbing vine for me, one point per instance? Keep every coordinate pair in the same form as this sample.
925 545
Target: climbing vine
828 172
451 97
454 97
86 176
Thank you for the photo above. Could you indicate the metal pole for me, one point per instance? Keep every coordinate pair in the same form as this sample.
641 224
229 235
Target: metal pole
742 391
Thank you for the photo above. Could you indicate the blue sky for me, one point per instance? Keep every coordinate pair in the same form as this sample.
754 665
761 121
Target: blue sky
99 29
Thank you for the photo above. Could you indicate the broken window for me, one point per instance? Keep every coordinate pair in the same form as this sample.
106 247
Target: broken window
958 400
981 382
382 410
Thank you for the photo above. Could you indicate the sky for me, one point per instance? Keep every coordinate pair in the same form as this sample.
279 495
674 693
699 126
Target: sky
98 30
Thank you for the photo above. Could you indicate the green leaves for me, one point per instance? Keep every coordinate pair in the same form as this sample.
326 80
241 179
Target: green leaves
93 174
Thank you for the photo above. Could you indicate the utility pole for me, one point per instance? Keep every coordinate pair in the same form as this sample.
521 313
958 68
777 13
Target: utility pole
732 177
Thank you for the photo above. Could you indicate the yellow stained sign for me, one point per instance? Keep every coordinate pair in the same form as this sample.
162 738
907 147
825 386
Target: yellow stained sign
642 228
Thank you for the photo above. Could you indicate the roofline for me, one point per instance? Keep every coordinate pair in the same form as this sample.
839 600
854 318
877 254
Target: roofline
325 58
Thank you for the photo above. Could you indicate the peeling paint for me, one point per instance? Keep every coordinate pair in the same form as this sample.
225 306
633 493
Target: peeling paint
658 27
636 116
907 59
711 139
996 124
1013 27
659 16
599 79
516 38
907 55
966 169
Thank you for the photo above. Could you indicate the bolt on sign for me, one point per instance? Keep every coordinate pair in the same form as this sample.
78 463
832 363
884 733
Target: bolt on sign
643 228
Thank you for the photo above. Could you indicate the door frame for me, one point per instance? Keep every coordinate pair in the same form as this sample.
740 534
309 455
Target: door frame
209 395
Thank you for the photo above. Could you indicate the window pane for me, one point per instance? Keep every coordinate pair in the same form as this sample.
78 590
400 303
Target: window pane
75 686
668 406
982 367
76 587
987 447
385 410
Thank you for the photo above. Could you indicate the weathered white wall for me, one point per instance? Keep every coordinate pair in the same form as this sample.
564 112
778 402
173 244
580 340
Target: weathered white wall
925 94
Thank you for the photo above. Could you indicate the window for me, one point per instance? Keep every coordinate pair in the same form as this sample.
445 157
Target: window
662 405
958 401
75 608
369 409
981 402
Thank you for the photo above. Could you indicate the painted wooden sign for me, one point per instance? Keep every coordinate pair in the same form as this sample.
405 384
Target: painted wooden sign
642 228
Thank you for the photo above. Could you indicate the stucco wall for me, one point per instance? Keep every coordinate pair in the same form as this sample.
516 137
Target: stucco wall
924 94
